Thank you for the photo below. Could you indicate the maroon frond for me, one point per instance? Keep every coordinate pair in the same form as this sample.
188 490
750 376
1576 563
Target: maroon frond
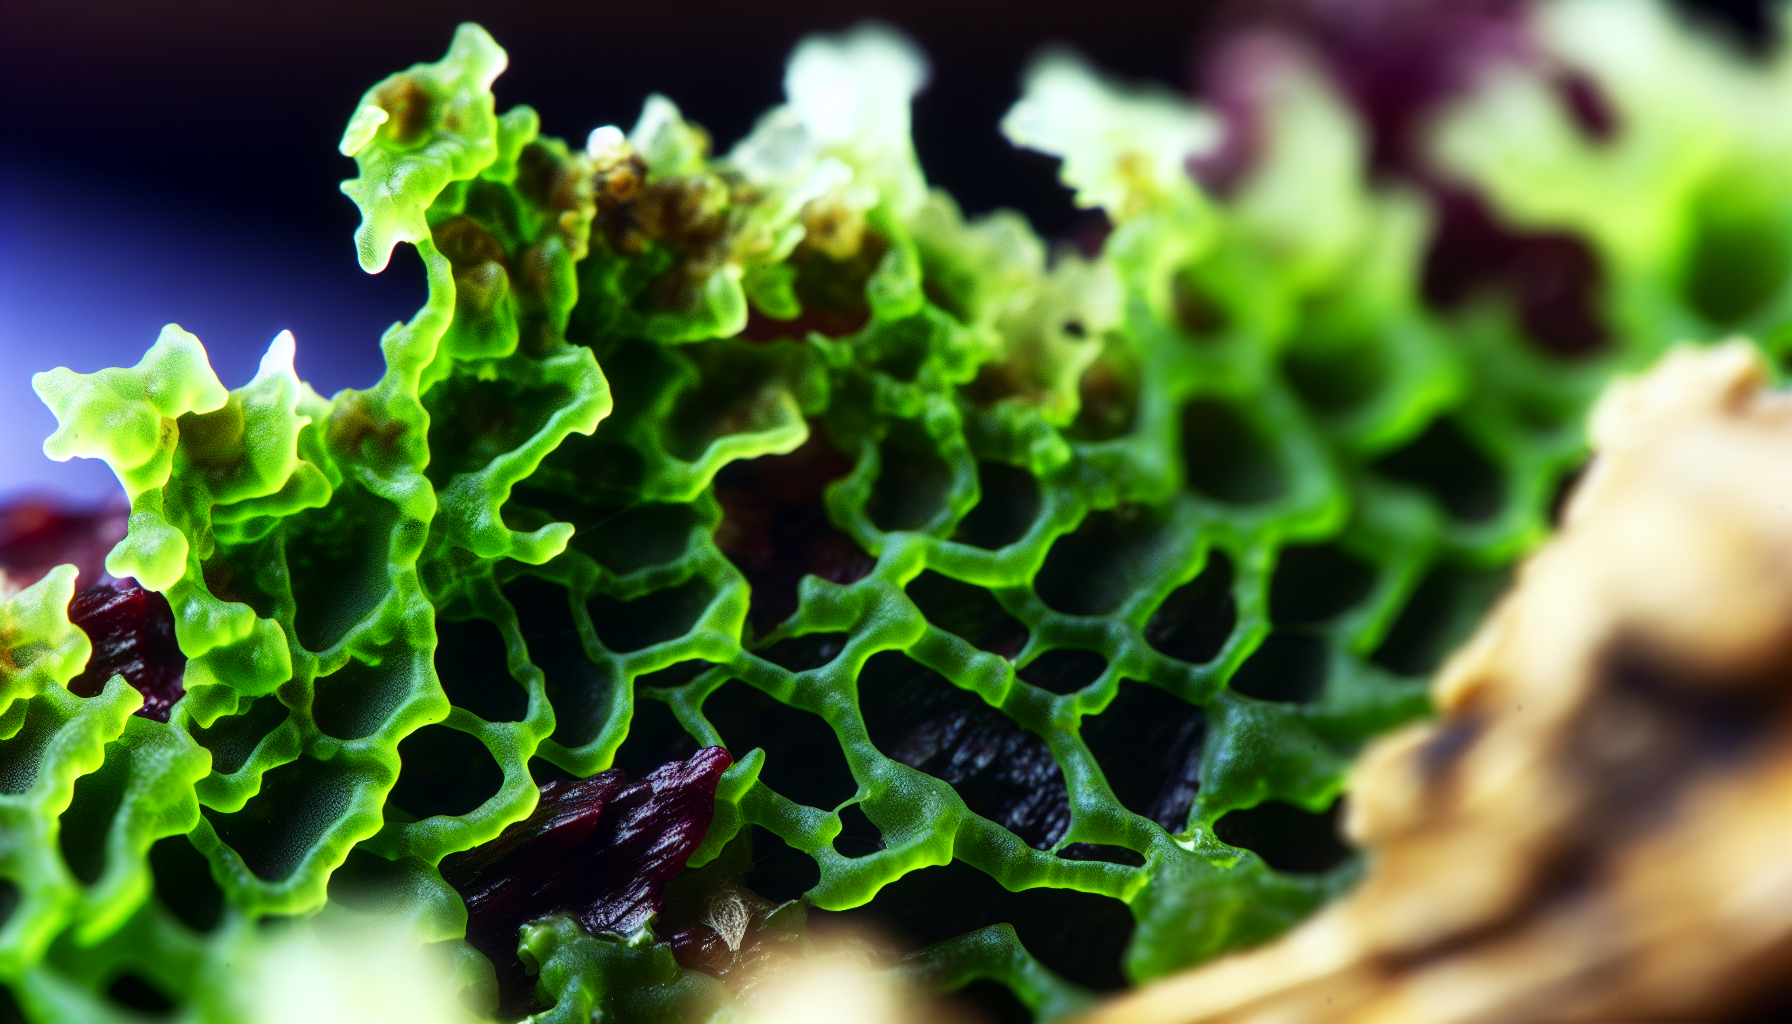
39 532
600 849
132 631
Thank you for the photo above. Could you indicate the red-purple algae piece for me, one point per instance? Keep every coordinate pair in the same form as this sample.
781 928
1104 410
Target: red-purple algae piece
39 532
1395 61
132 631
600 849
1398 63
1551 277
702 949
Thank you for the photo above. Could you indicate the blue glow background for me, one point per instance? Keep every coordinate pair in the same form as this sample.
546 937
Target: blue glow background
175 162
90 270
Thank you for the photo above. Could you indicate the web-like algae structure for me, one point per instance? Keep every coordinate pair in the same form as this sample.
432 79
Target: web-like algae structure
1014 582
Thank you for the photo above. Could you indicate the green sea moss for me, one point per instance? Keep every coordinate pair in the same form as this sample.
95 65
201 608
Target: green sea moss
1232 463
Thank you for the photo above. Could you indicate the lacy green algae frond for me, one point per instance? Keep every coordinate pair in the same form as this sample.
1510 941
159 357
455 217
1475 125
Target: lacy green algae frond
1041 598
413 134
39 648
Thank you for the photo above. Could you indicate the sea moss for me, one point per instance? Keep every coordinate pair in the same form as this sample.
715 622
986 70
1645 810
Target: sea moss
1041 601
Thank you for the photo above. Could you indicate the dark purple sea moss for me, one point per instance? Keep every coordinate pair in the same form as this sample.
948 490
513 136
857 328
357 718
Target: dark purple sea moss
132 631
39 532
600 849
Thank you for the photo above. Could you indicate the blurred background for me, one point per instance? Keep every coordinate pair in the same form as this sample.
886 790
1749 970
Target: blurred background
176 162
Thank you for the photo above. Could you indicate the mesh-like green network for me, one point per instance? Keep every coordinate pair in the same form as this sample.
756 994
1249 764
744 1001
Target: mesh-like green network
991 566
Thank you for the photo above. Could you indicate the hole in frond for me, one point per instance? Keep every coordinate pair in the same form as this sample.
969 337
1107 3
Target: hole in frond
473 663
1286 837
1289 667
356 700
1005 511
297 804
650 619
803 760
776 530
579 689
1148 744
1225 456
654 738
444 771
912 480
1002 771
233 738
1065 670
969 611
338 558
1108 558
184 884
1316 583
637 537
1197 618
1446 463
801 653
858 836
1439 615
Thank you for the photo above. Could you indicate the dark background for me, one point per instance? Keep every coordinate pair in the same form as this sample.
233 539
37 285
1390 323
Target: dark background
177 161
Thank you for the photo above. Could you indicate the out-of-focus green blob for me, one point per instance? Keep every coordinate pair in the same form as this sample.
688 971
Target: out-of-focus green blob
1686 201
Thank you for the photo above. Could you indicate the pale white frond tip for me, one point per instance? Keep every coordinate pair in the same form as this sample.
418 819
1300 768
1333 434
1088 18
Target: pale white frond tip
278 358
852 85
1114 139
605 142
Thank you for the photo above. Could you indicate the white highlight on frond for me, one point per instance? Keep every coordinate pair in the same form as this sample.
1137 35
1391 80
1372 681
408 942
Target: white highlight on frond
362 128
278 359
605 142
670 145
